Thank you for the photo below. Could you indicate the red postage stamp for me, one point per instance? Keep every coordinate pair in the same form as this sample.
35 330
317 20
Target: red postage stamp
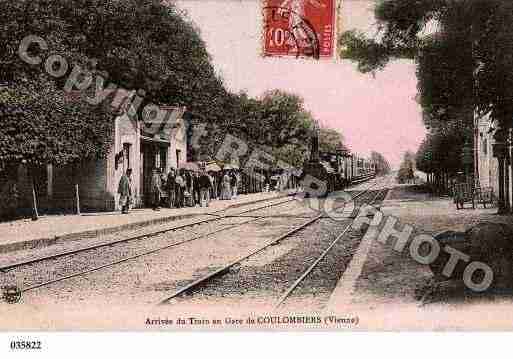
300 28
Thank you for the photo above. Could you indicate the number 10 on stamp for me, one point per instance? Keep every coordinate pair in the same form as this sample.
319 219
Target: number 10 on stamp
299 28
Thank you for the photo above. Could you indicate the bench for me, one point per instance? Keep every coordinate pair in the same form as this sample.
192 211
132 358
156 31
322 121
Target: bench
485 196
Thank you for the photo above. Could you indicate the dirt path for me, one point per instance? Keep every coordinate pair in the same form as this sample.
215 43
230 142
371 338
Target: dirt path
386 294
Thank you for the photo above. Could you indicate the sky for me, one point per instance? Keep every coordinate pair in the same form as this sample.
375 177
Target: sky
374 114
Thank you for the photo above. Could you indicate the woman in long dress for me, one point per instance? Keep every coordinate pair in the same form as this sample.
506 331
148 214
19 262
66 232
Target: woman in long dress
179 189
189 189
226 189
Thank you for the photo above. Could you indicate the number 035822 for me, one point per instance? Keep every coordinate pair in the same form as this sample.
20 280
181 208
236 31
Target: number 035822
25 345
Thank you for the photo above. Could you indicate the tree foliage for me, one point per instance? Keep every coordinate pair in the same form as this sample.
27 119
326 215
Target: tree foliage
40 125
442 149
133 44
445 82
381 163
275 122
463 65
399 22
331 140
277 119
468 57
139 44
407 167
292 155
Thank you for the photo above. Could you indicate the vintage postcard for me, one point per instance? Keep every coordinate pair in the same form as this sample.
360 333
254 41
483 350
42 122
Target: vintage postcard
291 165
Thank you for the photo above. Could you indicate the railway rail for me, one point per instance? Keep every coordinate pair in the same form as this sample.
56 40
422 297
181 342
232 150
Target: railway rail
217 218
224 269
314 265
139 255
7 267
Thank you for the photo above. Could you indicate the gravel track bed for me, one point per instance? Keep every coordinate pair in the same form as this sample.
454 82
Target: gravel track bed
265 276
81 243
145 279
262 278
29 275
313 293
124 295
29 254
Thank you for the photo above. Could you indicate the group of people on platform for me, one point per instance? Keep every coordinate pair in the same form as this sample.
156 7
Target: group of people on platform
186 188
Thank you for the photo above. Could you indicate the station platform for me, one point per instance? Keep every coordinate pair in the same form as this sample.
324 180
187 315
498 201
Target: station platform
52 229
384 287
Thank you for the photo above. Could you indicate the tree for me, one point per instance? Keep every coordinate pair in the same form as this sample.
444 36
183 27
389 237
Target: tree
275 122
331 140
41 126
440 154
407 167
292 155
140 44
280 119
168 60
473 48
464 68
381 163
493 54
445 81
148 45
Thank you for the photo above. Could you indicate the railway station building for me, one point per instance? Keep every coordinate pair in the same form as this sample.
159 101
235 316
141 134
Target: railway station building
493 153
95 182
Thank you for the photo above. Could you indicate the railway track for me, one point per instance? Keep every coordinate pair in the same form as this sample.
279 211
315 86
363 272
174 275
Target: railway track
224 269
314 265
130 239
217 219
14 265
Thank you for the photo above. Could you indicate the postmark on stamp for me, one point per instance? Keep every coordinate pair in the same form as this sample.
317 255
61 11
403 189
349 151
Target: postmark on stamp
299 28
11 294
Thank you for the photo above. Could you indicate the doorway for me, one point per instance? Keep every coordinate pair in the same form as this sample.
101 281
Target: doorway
153 155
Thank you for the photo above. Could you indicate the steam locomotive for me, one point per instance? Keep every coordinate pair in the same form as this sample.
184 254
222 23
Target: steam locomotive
336 170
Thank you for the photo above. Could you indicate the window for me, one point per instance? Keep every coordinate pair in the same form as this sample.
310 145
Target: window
163 158
178 159
126 156
156 159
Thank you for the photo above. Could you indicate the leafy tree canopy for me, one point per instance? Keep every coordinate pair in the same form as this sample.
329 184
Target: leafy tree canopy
139 44
134 44
331 140
442 149
464 55
381 163
41 125
292 155
276 122
275 119
464 61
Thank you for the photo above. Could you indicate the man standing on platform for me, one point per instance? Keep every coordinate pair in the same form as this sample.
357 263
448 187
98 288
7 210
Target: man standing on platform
171 188
156 188
205 185
196 188
125 191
